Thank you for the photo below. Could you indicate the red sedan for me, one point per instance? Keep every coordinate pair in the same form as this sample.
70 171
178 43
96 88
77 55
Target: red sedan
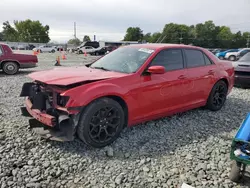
130 85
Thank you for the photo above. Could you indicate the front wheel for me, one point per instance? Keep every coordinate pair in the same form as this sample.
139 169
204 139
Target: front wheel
101 122
10 68
53 51
217 96
232 58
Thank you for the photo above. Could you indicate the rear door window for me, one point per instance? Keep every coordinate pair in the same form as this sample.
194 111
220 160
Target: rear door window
195 58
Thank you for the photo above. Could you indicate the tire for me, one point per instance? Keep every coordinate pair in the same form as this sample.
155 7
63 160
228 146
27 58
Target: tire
232 58
235 174
53 51
80 52
221 58
97 53
217 96
91 118
10 68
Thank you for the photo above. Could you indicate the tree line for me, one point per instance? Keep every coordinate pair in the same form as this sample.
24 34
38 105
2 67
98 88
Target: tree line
206 35
25 31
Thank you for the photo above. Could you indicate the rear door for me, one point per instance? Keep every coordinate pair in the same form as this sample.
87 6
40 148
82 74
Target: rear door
201 73
1 54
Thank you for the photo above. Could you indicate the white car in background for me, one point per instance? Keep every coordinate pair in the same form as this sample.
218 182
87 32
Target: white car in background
233 56
87 49
46 48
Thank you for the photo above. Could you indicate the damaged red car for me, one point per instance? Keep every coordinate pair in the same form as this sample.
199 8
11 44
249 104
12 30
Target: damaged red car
130 85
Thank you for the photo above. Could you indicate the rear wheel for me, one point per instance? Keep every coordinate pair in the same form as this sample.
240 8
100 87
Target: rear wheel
217 96
10 68
53 51
101 122
80 52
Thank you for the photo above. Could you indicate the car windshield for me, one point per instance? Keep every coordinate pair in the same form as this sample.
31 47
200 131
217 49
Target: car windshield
245 58
123 59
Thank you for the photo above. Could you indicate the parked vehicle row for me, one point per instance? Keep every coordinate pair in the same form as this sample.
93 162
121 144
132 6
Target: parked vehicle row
230 54
242 71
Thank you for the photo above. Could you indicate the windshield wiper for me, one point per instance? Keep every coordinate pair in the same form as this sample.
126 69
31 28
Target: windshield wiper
102 68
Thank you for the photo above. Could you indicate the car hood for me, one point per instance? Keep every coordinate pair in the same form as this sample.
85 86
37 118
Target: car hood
71 75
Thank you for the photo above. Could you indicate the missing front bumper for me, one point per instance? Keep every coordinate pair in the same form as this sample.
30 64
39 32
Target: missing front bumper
66 133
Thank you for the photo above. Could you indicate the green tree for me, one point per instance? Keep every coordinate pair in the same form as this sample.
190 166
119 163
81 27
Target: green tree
26 31
9 32
155 36
75 42
1 36
86 38
147 37
32 31
133 34
206 34
176 33
225 37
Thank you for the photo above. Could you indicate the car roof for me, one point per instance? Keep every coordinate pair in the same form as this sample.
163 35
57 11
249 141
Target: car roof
3 44
155 46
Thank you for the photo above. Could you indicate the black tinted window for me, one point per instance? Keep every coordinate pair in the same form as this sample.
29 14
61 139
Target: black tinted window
195 58
170 59
207 60
244 52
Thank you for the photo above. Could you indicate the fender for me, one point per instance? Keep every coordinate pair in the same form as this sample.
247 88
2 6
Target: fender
8 60
88 93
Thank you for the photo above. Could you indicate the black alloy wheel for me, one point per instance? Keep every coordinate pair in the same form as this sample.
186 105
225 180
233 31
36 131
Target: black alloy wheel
217 96
101 122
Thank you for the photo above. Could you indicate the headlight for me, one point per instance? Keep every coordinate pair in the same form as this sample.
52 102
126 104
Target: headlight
62 100
235 64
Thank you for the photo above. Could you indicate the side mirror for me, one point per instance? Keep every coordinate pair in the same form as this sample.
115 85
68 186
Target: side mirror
156 70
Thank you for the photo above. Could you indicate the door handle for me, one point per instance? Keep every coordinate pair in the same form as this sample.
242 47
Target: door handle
210 72
181 77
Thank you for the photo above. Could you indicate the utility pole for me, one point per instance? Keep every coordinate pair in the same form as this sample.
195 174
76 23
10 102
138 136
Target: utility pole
75 30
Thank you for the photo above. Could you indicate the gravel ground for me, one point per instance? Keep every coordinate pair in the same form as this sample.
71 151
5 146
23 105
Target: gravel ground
192 147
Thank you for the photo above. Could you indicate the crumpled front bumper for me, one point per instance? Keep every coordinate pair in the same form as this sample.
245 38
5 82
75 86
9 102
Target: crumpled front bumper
38 115
59 127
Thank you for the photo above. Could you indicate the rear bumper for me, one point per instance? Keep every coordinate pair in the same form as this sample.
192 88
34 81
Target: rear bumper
242 81
28 65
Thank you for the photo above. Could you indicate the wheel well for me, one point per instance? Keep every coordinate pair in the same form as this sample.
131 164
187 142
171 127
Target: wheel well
123 105
3 62
225 80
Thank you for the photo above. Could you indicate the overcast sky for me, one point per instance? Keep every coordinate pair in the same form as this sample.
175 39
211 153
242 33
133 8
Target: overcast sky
109 19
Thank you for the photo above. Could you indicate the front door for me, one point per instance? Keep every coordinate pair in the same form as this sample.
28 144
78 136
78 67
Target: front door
162 93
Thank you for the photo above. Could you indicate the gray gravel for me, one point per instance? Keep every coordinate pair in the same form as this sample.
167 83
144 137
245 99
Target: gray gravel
192 147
